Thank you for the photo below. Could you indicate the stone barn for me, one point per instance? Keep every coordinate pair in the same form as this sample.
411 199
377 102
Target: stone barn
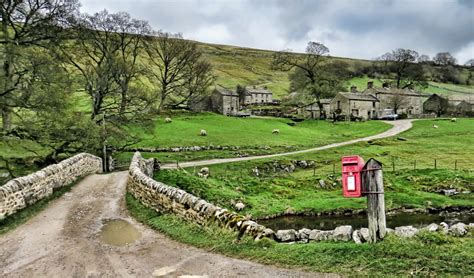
435 104
225 101
255 95
354 105
313 112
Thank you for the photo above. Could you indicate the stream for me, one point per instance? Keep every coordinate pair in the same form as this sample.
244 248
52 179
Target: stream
330 222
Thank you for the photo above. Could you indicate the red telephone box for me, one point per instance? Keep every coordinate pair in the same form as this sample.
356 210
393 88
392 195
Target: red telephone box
351 176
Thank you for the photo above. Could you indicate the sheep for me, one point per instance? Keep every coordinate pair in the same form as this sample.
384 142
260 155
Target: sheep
435 126
453 120
203 132
168 120
276 131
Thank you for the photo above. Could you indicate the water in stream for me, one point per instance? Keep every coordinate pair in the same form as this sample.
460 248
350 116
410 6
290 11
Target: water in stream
329 222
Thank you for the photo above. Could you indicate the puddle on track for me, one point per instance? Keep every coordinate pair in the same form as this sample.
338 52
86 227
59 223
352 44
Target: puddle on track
119 232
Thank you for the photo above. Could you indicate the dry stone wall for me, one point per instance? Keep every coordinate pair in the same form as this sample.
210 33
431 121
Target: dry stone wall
24 191
165 198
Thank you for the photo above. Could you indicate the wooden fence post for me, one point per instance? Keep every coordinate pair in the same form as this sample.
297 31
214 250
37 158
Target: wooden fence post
435 164
414 165
372 187
455 164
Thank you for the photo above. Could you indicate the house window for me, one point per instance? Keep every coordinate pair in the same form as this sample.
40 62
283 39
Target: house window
373 104
338 104
355 112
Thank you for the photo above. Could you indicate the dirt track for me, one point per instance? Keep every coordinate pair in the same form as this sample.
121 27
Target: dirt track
398 127
63 241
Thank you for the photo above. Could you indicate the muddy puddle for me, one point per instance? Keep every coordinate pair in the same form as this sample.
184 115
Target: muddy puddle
118 232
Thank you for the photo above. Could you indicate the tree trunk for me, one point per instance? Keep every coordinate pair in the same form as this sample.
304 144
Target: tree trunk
6 119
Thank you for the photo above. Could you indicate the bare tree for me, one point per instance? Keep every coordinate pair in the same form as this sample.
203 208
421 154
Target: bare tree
178 68
26 25
105 53
310 65
396 101
407 72
423 58
444 59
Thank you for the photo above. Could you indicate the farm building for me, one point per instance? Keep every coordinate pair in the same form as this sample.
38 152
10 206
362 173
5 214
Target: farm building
313 112
354 105
400 101
443 106
255 95
225 101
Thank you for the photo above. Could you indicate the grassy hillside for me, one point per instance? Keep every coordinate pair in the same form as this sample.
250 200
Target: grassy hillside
237 65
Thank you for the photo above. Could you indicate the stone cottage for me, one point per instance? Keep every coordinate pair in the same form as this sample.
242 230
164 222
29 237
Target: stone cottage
399 101
256 95
312 111
354 105
225 101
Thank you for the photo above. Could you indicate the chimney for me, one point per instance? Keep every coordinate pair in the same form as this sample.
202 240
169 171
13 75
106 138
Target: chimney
353 89
370 84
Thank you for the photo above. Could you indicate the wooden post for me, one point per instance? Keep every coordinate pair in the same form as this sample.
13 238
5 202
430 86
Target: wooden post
177 165
435 164
314 170
372 187
455 164
414 165
393 165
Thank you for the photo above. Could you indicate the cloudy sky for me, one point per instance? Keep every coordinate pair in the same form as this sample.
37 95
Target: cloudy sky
350 28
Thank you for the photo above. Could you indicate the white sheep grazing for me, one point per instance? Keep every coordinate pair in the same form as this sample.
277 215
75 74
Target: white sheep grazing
453 120
168 120
276 131
203 132
435 126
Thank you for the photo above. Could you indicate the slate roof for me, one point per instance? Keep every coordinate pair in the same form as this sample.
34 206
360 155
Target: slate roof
252 90
390 91
358 96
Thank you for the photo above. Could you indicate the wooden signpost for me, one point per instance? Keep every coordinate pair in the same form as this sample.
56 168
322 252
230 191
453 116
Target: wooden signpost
372 187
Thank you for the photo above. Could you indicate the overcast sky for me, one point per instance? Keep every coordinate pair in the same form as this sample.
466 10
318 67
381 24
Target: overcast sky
349 28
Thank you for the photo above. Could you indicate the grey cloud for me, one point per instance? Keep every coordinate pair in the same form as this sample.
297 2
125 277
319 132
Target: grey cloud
360 29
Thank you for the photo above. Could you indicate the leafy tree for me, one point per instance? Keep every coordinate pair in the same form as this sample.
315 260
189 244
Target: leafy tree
312 74
27 26
396 101
178 68
444 59
242 92
423 58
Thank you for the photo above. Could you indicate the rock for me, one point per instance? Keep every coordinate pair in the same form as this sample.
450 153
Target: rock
389 231
432 227
168 120
291 124
204 172
303 164
444 226
303 234
449 192
458 229
364 233
406 231
453 120
322 184
290 211
286 235
276 131
267 232
255 171
203 132
435 126
343 233
318 235
470 226
239 206
356 237
402 139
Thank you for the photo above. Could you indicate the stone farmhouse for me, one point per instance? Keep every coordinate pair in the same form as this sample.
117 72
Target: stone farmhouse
396 101
347 105
257 95
225 101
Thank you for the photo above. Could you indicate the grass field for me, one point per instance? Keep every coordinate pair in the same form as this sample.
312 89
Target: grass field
425 255
272 193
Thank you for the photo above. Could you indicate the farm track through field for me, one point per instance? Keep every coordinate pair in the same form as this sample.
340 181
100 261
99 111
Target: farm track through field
398 127
64 239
